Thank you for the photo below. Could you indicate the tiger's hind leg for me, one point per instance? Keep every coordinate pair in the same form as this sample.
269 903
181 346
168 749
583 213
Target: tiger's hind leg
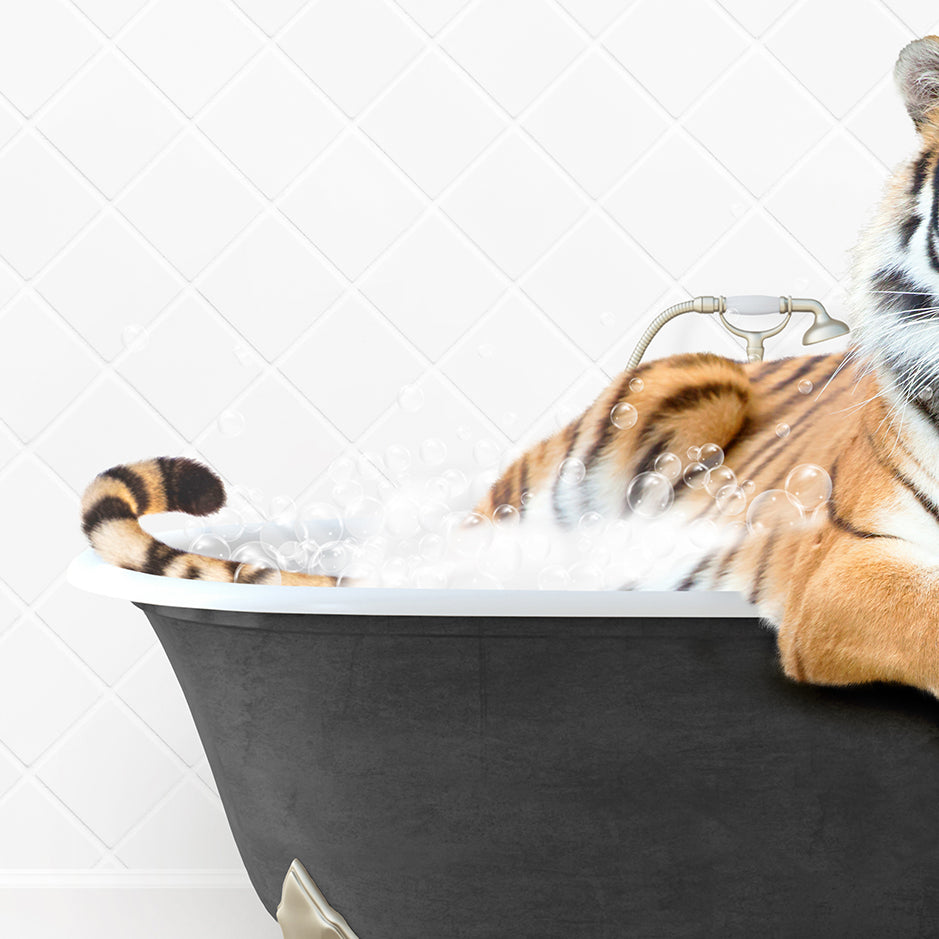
865 610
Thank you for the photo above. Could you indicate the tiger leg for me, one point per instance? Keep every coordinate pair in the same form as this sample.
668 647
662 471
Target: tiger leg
867 611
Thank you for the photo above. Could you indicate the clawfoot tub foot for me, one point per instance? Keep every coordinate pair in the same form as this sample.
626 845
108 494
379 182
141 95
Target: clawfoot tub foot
303 912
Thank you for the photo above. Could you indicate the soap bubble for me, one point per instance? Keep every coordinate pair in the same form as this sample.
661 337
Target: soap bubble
590 522
731 499
694 453
193 527
748 486
368 466
283 507
463 432
231 520
394 573
572 471
429 578
432 547
554 577
332 558
231 423
486 453
295 554
585 576
502 559
509 418
806 387
473 580
470 535
211 546
506 516
411 398
397 459
275 532
649 495
433 451
134 337
772 510
526 496
364 518
261 573
624 415
347 493
711 455
341 469
636 385
436 489
703 533
432 514
782 431
718 477
324 521
809 486
402 516
669 465
457 483
257 562
695 475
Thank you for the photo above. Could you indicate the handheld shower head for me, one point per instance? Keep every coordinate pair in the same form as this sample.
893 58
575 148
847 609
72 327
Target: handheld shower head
824 327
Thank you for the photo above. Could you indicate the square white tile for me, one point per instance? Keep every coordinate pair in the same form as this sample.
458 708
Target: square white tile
272 275
676 177
514 204
596 123
270 122
353 389
433 122
37 345
110 123
190 48
491 379
190 204
804 43
108 283
187 368
834 179
352 204
283 443
110 425
45 204
43 691
42 43
108 634
151 690
189 831
434 284
677 73
594 284
514 50
109 772
39 834
352 49
776 109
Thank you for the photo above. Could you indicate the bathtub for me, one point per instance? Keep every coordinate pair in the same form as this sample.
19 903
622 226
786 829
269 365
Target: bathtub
481 764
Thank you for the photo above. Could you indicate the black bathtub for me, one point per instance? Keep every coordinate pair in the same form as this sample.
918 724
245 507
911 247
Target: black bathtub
477 764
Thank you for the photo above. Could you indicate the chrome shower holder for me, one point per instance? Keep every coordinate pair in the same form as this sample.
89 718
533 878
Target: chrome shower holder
823 327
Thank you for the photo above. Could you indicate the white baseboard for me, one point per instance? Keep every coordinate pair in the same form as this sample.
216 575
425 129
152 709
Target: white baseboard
106 905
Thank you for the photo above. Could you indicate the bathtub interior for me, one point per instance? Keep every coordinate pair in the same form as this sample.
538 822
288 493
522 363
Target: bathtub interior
89 572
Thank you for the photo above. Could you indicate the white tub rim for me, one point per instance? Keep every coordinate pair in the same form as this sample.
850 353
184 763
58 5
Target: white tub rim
91 573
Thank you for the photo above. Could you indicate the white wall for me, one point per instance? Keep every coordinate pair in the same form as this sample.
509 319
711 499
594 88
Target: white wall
288 210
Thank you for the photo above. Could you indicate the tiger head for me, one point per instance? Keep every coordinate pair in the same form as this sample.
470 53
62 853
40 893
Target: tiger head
894 283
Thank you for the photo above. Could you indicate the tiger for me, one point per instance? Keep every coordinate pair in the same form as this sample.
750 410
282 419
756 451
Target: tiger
851 588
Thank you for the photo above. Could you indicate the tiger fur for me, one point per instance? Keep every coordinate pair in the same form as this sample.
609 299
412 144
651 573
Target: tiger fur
854 594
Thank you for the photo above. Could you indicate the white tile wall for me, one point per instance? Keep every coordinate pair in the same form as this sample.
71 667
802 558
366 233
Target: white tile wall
289 209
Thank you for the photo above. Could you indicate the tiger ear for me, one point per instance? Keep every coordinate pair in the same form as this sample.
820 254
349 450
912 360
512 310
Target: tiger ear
917 76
